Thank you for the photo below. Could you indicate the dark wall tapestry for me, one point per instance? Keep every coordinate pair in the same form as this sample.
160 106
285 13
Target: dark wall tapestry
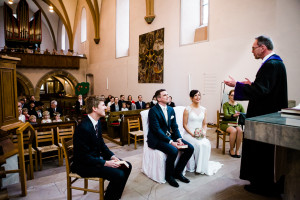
151 57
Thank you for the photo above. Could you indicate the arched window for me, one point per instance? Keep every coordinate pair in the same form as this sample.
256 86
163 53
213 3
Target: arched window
63 37
122 28
83 25
193 21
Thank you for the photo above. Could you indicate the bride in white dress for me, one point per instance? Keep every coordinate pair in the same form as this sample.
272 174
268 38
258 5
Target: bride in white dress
194 117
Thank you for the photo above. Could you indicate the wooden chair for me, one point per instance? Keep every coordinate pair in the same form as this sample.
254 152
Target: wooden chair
221 134
28 137
67 146
63 133
44 144
134 124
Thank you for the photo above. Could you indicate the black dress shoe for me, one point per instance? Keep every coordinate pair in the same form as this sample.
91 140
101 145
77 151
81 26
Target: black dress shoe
234 156
238 156
182 178
172 182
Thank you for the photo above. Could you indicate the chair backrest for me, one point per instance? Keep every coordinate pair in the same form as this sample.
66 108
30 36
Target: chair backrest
67 145
27 137
133 124
64 133
179 118
144 117
44 137
219 118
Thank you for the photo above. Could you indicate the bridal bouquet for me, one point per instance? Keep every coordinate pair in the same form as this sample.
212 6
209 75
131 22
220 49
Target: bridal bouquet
199 133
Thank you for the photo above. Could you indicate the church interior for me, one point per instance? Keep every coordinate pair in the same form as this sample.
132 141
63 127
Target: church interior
56 50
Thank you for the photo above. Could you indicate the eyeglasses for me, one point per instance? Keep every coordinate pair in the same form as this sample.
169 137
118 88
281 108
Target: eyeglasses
253 48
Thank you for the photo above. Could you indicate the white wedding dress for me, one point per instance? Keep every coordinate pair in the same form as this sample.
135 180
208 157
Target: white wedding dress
202 146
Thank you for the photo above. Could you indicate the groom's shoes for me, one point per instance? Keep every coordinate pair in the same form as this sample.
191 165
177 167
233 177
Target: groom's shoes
182 178
172 182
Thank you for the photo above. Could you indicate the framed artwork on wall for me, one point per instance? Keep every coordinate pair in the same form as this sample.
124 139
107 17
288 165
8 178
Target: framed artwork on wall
151 57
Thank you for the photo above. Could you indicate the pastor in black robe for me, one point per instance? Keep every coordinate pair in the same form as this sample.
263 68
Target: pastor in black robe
267 94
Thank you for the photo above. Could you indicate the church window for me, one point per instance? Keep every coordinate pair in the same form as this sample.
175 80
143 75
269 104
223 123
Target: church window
122 28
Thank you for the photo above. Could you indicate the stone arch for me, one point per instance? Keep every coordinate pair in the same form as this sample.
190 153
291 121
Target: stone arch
43 79
26 83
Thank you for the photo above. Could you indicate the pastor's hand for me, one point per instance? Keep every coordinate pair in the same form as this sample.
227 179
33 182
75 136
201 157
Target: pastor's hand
231 82
247 81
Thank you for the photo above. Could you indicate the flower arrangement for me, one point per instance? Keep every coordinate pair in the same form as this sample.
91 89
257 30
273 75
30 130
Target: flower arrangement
106 117
199 133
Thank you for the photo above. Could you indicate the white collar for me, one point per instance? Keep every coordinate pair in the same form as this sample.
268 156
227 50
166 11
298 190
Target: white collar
268 56
94 122
162 107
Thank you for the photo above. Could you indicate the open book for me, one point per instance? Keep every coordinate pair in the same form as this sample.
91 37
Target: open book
123 162
183 146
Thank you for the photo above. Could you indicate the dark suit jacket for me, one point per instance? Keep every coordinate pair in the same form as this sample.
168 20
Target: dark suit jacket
113 107
158 126
77 106
87 147
58 109
138 106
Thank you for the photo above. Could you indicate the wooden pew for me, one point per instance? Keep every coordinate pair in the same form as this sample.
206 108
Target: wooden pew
120 136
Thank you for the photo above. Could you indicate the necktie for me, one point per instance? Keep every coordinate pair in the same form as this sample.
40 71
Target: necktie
166 114
96 129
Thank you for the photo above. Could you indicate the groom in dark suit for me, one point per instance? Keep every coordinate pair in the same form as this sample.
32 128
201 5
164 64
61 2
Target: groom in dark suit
92 158
164 136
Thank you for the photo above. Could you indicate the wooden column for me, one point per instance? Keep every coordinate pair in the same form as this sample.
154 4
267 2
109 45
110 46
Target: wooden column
149 11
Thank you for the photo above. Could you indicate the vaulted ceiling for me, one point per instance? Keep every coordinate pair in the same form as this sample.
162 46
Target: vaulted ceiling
64 10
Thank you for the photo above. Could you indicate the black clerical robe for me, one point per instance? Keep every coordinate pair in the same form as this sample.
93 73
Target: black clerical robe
267 94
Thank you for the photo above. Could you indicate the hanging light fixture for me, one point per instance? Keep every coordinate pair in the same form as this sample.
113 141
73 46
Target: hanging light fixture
10 1
51 9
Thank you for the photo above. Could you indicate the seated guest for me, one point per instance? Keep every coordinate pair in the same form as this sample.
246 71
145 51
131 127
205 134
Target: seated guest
140 104
37 51
22 101
232 110
124 106
131 103
39 108
57 117
116 106
46 117
31 109
31 98
54 52
54 108
153 102
70 52
147 105
122 99
47 52
172 104
21 116
107 100
162 120
61 52
79 103
92 158
25 113
111 102
32 119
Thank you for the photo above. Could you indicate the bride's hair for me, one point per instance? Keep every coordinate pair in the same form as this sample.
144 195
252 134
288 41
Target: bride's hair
194 92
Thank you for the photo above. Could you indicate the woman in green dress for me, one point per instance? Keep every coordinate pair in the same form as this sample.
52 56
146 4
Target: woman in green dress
229 124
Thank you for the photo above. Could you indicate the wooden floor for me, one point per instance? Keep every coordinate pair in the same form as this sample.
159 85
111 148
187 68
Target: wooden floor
50 183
